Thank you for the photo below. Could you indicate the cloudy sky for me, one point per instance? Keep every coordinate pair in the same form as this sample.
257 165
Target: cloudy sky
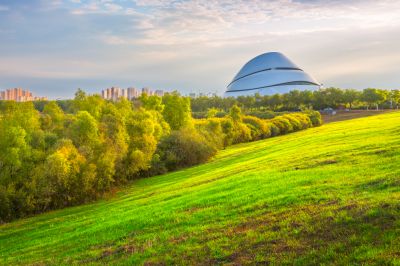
53 47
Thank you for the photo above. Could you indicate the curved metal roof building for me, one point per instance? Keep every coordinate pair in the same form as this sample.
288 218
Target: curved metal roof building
268 74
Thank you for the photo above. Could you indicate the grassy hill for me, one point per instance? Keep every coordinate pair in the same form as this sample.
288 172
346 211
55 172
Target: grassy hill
328 195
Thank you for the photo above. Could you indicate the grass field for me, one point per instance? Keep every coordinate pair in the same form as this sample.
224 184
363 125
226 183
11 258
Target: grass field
327 195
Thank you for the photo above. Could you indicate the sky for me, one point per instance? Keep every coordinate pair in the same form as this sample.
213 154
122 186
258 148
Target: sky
53 47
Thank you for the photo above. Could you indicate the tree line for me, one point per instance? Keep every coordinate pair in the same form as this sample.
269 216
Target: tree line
58 154
300 100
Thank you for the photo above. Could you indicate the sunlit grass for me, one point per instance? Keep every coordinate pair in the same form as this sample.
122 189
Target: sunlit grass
325 195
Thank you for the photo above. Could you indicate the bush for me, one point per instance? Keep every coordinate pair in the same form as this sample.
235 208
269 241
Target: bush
283 124
211 129
315 117
259 128
241 133
273 129
304 120
296 125
184 147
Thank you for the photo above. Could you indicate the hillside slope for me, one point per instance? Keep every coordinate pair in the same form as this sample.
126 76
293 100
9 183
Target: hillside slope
327 194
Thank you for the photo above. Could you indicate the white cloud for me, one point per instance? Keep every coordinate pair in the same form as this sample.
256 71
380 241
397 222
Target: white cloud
202 44
164 22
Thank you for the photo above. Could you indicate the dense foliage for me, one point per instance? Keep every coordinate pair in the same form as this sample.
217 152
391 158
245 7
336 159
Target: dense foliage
55 155
324 196
300 100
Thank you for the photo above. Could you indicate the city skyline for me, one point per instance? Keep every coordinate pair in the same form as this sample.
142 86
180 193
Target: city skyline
54 47
19 95
114 93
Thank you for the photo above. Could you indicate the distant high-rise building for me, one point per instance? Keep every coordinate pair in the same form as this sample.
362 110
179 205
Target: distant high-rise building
130 93
115 93
124 93
159 93
133 93
146 90
19 95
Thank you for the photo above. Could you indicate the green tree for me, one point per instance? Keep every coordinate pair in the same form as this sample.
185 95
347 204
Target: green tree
395 98
275 101
55 115
236 114
350 96
151 102
84 130
373 96
177 110
64 174
212 112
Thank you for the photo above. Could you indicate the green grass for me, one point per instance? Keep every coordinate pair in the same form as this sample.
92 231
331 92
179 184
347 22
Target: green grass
327 195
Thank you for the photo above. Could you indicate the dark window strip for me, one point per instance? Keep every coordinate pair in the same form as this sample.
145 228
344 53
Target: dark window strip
267 69
280 84
288 68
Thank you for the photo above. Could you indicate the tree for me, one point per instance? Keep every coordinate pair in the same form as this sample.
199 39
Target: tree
80 95
56 115
395 98
236 114
334 97
212 112
14 150
350 96
141 128
275 101
307 98
373 96
151 102
84 130
65 176
177 110
294 99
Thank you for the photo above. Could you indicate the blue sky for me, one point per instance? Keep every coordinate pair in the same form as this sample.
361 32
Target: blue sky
54 47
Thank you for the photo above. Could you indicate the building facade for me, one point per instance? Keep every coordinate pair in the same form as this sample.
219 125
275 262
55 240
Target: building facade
114 93
19 95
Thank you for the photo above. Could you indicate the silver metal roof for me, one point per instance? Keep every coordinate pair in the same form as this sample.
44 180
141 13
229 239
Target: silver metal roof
269 70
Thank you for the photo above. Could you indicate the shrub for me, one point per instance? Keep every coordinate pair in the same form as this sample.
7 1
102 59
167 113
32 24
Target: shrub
213 132
273 129
283 124
241 133
227 129
296 125
184 147
315 118
259 128
304 120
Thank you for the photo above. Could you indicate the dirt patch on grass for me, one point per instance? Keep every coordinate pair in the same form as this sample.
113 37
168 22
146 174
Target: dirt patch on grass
316 163
330 232
379 184
307 232
193 210
347 115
